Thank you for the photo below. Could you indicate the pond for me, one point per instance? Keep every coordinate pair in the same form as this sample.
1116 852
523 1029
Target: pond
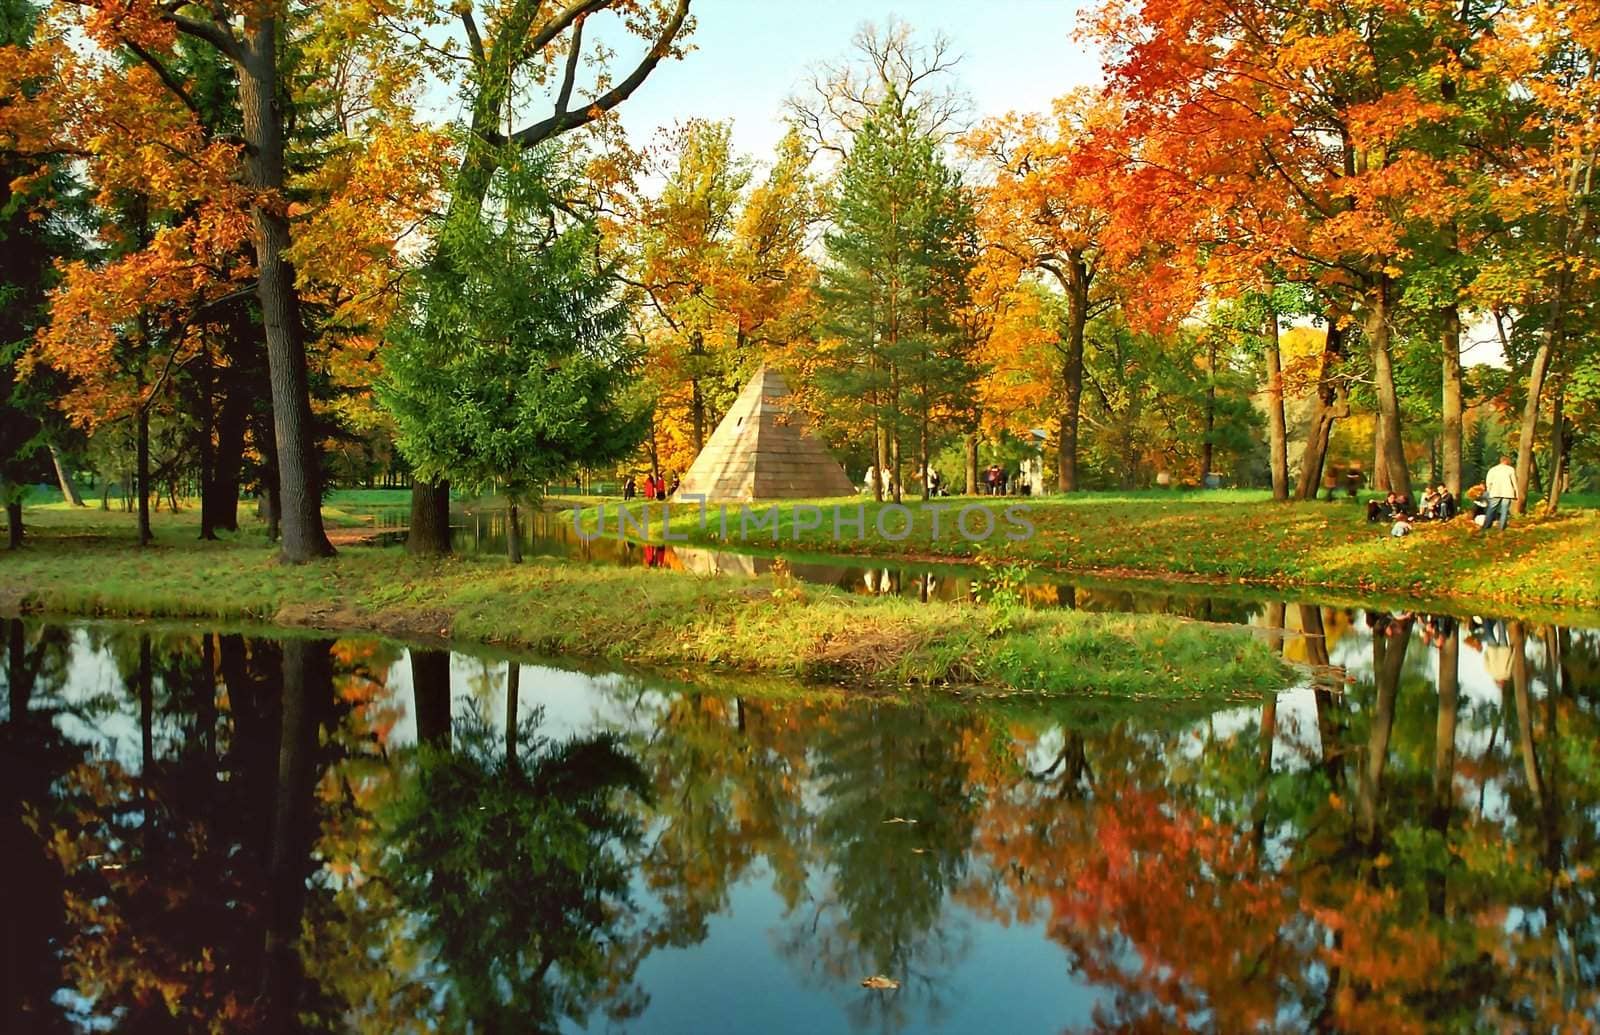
550 534
245 831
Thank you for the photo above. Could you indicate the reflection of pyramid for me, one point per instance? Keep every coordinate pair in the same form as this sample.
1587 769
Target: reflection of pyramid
763 450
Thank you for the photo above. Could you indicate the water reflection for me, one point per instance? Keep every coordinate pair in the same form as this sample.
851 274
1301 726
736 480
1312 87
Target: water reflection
231 833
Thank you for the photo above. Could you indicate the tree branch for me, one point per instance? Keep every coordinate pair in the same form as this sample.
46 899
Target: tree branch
560 122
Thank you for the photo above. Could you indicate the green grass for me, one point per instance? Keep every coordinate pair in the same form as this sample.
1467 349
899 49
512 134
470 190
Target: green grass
659 618
1221 538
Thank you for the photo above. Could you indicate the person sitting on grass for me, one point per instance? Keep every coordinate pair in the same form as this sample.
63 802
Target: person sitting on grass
1377 510
1430 505
1401 526
1445 508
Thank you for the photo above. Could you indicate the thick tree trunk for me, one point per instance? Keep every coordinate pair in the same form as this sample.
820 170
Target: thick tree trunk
1388 659
228 460
429 534
1444 737
307 694
299 488
141 475
69 488
1208 446
430 691
1331 405
1072 385
1451 408
1277 426
1380 459
1378 335
972 463
14 524
513 535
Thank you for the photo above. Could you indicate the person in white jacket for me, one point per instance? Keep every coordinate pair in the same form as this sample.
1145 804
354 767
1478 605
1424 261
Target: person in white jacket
1500 486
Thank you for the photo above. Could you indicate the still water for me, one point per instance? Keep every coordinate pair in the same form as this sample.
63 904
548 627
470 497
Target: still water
551 534
216 831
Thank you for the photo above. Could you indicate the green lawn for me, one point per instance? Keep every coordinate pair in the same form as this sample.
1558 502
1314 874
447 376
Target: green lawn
662 618
1220 537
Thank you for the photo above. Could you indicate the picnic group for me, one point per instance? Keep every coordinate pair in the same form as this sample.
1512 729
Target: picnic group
1491 503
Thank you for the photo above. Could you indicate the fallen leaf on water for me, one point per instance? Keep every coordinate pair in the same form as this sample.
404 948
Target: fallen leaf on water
878 981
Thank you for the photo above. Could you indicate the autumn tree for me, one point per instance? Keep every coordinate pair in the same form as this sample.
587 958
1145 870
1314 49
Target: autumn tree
529 47
507 367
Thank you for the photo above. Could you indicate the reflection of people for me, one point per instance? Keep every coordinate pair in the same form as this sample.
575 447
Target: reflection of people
1500 485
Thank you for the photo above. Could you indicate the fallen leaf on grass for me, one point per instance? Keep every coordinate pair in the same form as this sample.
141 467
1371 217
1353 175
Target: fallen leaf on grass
879 982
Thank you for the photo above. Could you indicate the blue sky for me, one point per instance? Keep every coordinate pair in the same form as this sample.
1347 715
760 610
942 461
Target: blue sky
751 54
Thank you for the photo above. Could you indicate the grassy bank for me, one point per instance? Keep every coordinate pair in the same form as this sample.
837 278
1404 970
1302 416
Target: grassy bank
771 626
1234 538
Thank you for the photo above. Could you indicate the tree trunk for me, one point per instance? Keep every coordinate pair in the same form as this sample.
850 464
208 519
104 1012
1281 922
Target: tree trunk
1444 737
1451 407
430 692
1530 421
142 474
1331 405
514 535
206 378
1208 446
1072 379
307 694
14 524
1394 451
513 686
1277 426
429 534
69 488
299 489
881 448
1558 450
1380 460
972 463
1388 658
228 459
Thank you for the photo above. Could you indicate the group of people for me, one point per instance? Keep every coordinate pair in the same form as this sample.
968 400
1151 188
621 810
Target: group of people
1491 503
999 482
655 487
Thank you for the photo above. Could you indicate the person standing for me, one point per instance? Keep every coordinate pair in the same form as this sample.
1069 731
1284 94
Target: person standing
1500 485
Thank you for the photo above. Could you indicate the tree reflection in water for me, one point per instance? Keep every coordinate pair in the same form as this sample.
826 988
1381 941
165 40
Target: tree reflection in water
225 833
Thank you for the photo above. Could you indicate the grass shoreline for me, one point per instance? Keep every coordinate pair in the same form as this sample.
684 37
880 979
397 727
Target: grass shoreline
763 626
1543 561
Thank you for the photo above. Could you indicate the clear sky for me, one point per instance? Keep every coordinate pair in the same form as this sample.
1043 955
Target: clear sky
752 54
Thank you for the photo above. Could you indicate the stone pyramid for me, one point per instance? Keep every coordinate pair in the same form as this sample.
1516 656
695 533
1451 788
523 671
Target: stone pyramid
763 450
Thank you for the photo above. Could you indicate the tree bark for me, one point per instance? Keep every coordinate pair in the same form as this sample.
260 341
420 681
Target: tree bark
1452 410
141 476
1331 405
1077 285
1277 426
307 694
206 376
513 686
430 690
1530 413
429 533
69 488
299 487
1388 659
1558 451
1380 459
14 524
972 463
513 535
1208 446
1378 336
